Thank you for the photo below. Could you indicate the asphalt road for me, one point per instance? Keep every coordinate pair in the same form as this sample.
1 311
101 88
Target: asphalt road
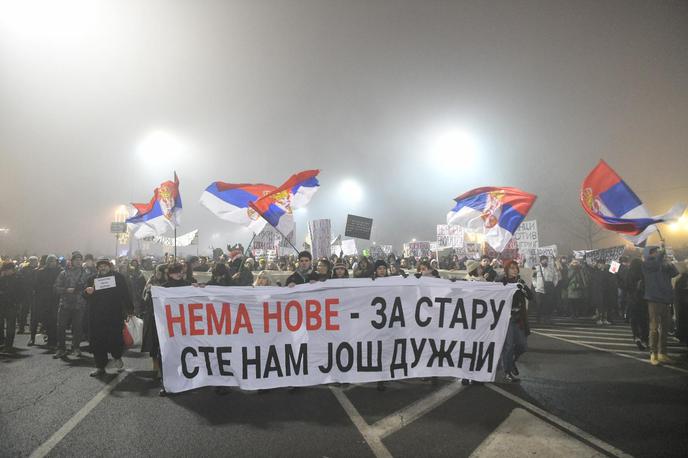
584 394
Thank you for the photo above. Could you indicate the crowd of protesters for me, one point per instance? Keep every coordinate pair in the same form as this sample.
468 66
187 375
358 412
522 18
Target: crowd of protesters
50 295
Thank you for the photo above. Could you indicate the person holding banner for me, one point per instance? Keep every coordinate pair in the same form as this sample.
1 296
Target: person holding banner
149 341
515 343
109 303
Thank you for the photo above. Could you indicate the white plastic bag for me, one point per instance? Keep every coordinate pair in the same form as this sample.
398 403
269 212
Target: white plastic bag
135 328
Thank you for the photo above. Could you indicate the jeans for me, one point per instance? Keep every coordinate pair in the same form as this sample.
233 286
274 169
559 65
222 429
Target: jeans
659 326
514 346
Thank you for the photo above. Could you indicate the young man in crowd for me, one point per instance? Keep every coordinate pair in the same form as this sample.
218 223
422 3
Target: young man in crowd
657 275
304 272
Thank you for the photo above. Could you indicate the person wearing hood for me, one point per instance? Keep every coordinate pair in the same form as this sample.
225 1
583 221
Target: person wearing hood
381 269
657 275
69 285
109 302
239 273
304 272
46 301
364 269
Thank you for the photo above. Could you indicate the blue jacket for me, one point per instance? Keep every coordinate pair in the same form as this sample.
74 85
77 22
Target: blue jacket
657 276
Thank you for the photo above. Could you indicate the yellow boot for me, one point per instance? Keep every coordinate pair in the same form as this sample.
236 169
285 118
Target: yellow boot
654 360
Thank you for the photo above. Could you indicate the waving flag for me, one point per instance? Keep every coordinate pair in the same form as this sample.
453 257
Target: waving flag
159 215
254 205
611 203
494 212
277 206
230 202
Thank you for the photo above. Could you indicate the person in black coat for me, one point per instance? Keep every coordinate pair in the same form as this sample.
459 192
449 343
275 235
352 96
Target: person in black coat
10 300
46 302
108 304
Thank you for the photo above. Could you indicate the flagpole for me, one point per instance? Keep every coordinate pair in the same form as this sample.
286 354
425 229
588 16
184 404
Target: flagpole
175 243
241 266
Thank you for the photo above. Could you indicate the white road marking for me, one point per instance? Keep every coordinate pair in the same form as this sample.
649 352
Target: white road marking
407 415
524 434
589 438
373 440
60 434
614 352
626 338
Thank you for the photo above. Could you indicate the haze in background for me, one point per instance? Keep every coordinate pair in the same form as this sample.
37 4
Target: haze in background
406 103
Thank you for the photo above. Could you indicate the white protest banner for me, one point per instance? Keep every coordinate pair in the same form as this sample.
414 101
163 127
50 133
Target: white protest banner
449 236
349 247
387 249
190 238
104 282
605 254
319 231
349 331
418 249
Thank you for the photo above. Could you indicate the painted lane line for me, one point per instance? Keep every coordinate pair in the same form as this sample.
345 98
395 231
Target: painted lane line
614 352
60 434
574 430
407 415
558 334
373 440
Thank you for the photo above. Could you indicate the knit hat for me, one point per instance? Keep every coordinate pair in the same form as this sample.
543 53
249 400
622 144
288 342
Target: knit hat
471 265
380 263
339 265
103 260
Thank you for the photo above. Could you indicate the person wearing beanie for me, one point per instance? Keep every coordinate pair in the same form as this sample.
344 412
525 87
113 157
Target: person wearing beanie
340 271
380 269
304 271
109 302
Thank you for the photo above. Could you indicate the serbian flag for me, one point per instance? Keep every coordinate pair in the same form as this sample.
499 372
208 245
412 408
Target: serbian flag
277 207
230 202
611 203
159 215
494 212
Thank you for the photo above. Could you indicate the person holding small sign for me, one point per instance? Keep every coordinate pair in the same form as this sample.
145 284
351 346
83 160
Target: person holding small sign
109 302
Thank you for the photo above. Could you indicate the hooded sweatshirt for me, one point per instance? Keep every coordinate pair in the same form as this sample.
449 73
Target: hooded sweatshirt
657 275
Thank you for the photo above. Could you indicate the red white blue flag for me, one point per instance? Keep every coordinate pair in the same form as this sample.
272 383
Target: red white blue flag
159 215
613 205
255 205
492 211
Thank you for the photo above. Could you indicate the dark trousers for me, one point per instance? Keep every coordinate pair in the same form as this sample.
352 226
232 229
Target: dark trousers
544 306
65 318
46 314
24 309
104 340
8 323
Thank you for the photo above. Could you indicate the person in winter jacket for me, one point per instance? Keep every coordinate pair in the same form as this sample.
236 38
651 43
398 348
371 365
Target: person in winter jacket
657 275
10 300
517 332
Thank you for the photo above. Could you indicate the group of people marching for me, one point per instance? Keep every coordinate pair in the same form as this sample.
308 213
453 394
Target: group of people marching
93 298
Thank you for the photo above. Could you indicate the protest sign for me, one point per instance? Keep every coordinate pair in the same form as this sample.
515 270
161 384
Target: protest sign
350 331
377 252
358 227
449 236
526 236
614 267
417 249
607 255
349 247
190 238
104 282
320 230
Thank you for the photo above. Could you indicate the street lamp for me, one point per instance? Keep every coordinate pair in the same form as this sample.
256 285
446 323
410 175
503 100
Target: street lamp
351 191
